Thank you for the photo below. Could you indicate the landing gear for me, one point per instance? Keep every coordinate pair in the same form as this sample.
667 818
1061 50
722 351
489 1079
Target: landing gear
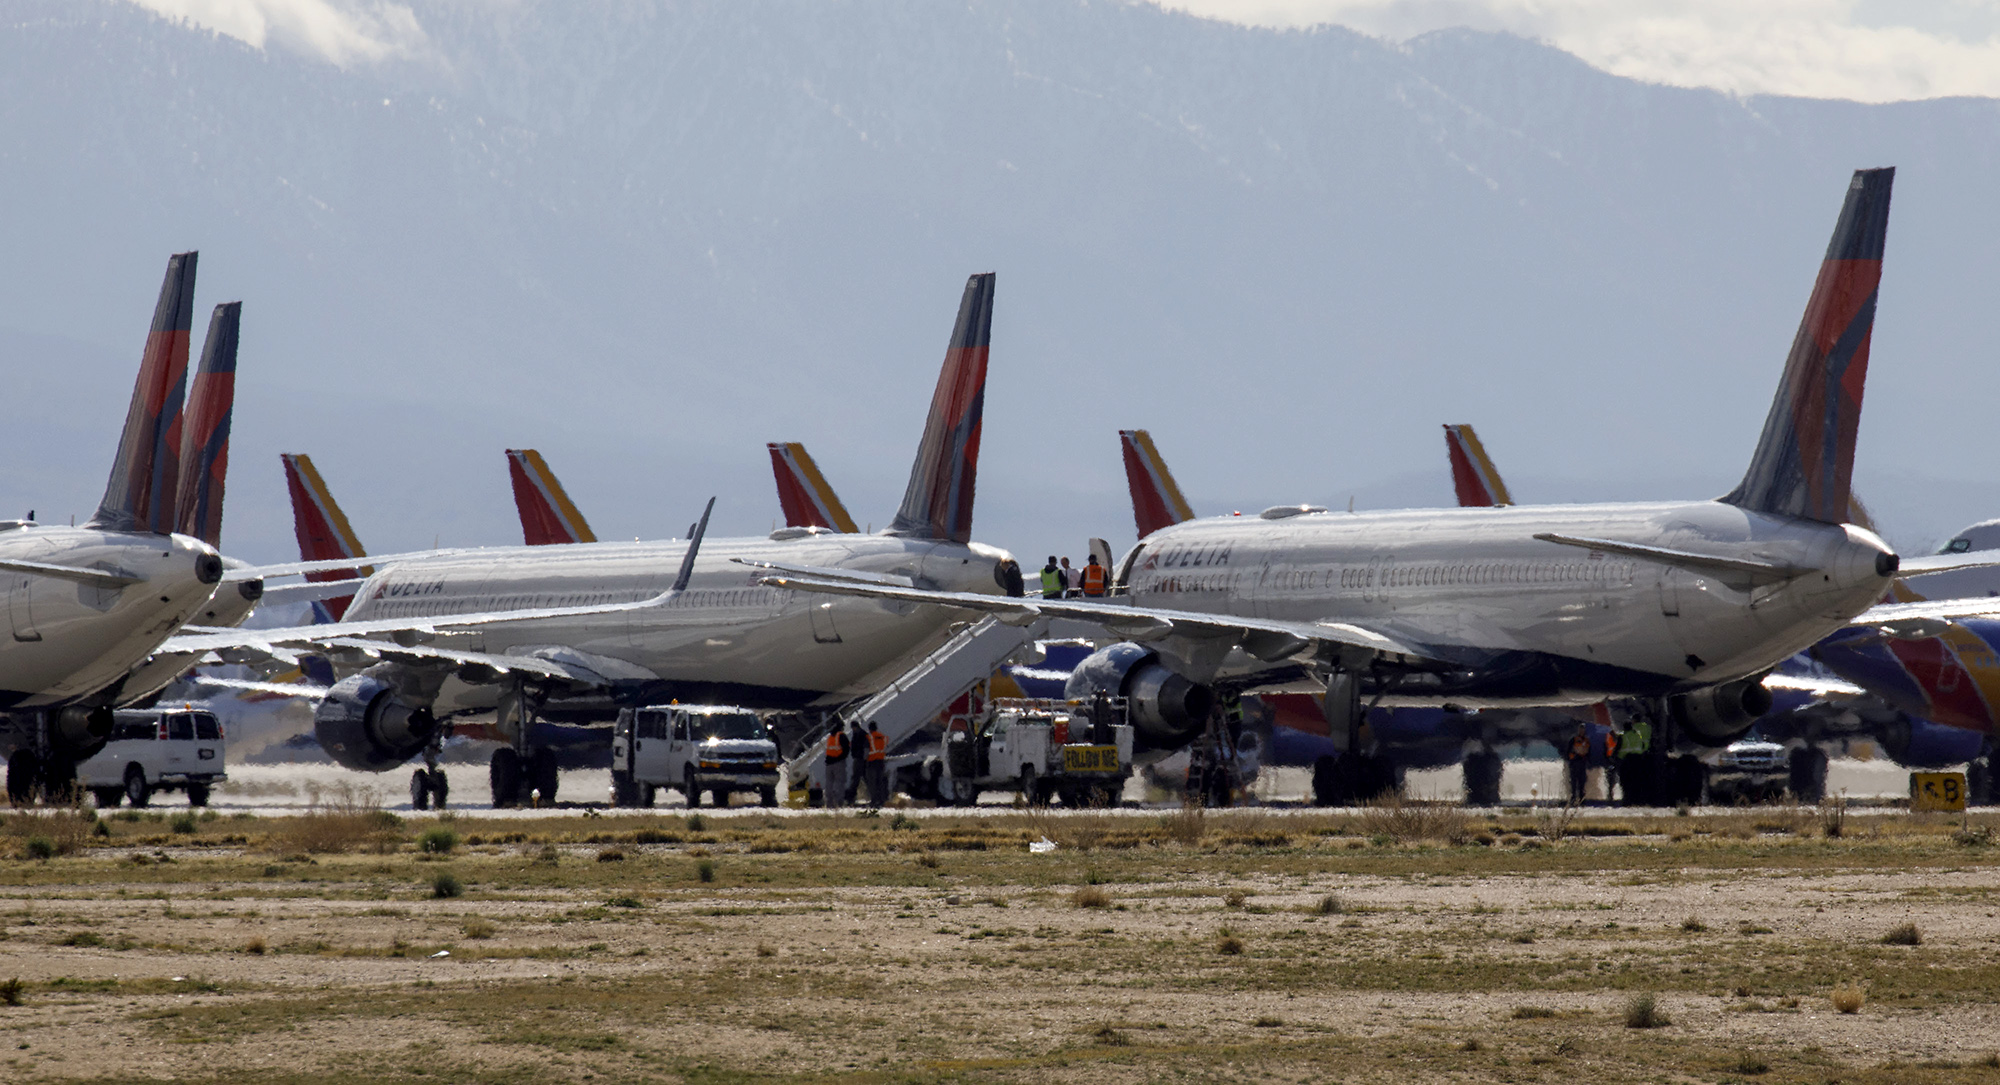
504 774
1353 778
107 798
1687 778
1808 774
544 774
24 770
197 794
428 789
1482 778
58 781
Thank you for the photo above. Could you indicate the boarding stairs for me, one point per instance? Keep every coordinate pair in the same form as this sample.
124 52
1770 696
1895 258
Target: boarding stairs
902 708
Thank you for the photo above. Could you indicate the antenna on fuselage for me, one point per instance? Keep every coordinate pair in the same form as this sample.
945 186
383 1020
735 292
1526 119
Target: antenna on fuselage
694 545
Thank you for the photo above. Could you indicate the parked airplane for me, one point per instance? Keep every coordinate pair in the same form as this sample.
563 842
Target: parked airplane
548 516
804 494
574 631
88 604
1685 605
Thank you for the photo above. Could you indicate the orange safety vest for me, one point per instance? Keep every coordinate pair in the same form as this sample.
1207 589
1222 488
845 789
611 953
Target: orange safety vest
1093 580
878 745
1610 743
1579 747
836 747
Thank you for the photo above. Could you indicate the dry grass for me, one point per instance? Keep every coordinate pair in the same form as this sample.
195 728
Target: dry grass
1188 826
1848 998
1090 896
1644 1012
1408 821
477 928
1905 934
63 830
256 947
340 819
1833 817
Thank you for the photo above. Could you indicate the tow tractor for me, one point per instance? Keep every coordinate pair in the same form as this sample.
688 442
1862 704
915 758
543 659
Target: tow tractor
1078 751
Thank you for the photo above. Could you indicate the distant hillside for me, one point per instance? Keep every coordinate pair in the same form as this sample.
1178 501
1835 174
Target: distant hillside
646 238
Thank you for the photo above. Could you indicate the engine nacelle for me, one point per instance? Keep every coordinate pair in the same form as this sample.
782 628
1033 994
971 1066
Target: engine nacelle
1719 715
1166 710
365 725
78 733
1921 744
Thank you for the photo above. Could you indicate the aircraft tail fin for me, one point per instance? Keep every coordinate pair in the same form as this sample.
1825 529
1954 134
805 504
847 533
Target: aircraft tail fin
547 514
204 461
141 492
322 528
803 492
938 502
1156 498
1804 462
1472 473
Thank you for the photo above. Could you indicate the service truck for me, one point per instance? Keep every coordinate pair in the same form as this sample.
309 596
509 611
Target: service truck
156 749
693 748
1078 751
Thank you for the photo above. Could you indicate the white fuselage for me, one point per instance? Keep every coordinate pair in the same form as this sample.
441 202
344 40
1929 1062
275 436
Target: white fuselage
1532 622
67 639
724 629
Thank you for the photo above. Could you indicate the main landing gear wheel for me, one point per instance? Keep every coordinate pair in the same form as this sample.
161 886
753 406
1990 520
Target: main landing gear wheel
59 781
505 776
137 791
1808 774
197 794
1482 778
420 790
544 774
107 798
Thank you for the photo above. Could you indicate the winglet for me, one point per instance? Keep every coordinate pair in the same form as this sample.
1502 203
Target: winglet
1156 498
938 502
694 547
803 493
205 429
547 514
1804 461
1472 473
140 494
323 531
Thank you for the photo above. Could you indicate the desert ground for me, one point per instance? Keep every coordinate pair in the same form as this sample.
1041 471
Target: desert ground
1406 942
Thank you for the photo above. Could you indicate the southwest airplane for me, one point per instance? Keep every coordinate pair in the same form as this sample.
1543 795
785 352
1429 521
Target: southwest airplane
1686 605
574 631
87 605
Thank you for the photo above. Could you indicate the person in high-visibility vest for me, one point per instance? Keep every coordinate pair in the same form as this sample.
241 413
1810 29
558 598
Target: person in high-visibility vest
1095 580
878 776
833 783
1633 746
1610 762
1054 580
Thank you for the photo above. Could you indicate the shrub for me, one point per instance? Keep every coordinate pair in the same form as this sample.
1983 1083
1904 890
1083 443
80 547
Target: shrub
1693 925
39 847
1833 817
1848 998
477 928
610 855
1532 1013
696 823
183 824
1644 1012
446 885
1267 1021
1330 905
343 818
1188 826
10 992
256 947
1234 899
84 938
1090 896
705 870
1749 1064
438 840
1228 943
625 902
1905 935
766 949
1403 821
928 860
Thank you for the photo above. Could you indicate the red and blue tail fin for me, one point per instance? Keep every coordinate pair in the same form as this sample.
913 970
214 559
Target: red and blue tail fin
1472 473
938 502
322 528
547 515
141 493
1804 462
205 429
1156 499
803 492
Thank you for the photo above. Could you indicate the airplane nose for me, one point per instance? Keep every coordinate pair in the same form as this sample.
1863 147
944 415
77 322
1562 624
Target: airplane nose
208 568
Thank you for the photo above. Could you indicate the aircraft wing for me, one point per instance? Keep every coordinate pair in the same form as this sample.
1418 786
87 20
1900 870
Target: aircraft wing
1818 686
1947 563
96 578
1926 618
311 591
403 628
821 572
294 568
1266 638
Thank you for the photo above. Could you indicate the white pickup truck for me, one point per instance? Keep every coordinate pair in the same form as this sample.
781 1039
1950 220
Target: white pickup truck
157 749
717 748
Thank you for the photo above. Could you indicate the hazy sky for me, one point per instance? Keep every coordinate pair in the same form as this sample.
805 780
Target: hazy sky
1869 50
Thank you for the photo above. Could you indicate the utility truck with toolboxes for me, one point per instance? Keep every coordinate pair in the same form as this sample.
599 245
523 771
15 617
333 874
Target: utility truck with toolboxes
1078 751
693 748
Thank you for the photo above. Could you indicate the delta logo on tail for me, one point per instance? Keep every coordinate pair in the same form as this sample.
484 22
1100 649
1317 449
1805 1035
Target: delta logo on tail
803 493
1473 475
548 516
938 502
1156 498
323 531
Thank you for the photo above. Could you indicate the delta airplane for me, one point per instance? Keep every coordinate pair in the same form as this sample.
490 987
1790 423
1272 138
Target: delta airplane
87 605
1686 605
575 631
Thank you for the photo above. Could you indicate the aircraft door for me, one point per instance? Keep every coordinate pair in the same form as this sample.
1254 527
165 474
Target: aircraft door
1670 591
824 631
20 607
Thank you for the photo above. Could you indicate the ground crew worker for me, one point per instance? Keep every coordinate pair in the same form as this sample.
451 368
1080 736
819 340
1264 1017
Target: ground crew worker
1632 751
857 747
1610 762
1054 581
1094 578
878 765
833 785
1070 581
1578 757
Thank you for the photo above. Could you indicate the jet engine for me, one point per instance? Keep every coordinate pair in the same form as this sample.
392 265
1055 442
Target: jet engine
1165 709
81 732
1921 744
1719 715
367 725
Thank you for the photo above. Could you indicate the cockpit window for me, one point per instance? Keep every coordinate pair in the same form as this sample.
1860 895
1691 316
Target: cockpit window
732 725
1958 546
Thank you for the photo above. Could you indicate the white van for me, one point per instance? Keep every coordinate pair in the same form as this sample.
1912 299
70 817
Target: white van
719 748
156 749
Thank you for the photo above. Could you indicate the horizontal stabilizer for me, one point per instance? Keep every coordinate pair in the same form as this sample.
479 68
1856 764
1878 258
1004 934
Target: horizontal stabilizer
96 578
